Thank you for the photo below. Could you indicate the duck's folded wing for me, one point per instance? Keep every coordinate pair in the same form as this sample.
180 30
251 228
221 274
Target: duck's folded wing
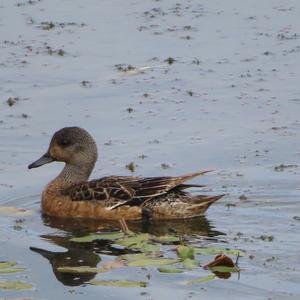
126 190
150 187
104 189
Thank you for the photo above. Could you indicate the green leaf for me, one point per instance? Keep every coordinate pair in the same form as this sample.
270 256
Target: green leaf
185 252
190 263
167 239
15 285
132 241
7 264
80 269
98 236
119 283
224 269
214 251
202 279
131 257
11 270
169 270
9 267
147 247
137 242
152 262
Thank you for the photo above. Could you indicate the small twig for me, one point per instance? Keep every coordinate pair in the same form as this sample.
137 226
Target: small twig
124 226
181 238
237 259
236 263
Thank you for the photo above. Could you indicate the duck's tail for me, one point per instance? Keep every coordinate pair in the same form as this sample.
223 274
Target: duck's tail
178 205
201 203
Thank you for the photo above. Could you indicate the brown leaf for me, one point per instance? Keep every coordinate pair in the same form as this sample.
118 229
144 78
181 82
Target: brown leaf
222 266
220 260
110 265
15 211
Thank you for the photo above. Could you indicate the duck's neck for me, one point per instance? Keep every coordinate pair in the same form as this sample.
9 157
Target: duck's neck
72 174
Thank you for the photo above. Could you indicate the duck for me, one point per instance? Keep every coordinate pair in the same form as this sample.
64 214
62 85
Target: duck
72 194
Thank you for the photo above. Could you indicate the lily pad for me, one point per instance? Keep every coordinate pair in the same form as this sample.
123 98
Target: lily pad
9 267
7 264
147 247
11 270
165 239
15 285
132 241
131 257
98 236
202 279
190 263
224 269
185 252
169 270
119 283
80 269
152 262
138 242
214 251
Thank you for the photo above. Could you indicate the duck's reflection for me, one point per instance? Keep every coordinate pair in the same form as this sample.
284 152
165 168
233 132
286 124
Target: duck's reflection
88 254
76 255
199 226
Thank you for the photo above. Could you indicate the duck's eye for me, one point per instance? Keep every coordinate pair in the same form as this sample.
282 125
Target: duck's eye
64 142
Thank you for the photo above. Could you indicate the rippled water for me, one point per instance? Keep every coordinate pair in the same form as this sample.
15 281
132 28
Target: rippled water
229 102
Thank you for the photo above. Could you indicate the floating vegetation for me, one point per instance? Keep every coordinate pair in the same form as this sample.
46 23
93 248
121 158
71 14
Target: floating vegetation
165 166
86 83
190 264
7 267
268 238
131 166
166 239
15 285
11 101
243 197
139 242
224 269
282 167
15 211
88 269
202 279
47 25
98 236
170 270
124 67
187 256
79 269
185 252
148 253
59 52
52 25
214 251
170 60
152 262
119 283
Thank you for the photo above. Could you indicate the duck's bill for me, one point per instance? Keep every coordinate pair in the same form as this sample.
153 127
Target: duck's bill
45 159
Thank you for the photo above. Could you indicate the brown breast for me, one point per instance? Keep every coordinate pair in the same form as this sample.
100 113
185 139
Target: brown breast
54 204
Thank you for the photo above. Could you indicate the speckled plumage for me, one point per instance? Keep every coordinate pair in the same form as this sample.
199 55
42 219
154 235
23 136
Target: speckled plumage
112 197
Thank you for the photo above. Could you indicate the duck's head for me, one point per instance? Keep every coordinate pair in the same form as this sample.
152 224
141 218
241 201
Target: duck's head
72 145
